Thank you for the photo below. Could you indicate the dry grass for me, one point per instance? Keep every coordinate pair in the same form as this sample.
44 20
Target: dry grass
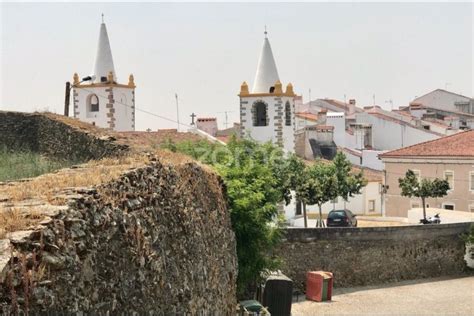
93 173
15 219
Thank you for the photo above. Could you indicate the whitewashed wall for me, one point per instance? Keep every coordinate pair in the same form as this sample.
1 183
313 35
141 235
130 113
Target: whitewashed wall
338 120
388 135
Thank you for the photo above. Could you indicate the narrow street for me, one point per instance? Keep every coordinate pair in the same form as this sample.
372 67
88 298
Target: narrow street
440 296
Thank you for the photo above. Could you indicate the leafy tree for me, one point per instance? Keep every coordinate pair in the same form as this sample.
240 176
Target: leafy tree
320 187
297 180
348 184
411 186
257 181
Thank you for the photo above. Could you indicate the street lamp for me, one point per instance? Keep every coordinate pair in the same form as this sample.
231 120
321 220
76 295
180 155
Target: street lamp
68 92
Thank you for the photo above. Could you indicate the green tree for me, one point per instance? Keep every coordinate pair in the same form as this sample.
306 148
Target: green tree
297 180
320 187
412 187
348 183
257 181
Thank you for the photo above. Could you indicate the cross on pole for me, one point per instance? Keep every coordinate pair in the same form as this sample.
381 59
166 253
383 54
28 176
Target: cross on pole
192 118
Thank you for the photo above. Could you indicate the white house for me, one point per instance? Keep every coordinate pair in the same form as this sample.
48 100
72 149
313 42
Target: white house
103 101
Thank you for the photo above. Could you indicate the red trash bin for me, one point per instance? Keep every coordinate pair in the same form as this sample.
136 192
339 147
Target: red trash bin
319 285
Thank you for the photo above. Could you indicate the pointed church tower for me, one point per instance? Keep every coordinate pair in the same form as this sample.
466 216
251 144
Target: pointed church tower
267 73
103 101
104 63
268 113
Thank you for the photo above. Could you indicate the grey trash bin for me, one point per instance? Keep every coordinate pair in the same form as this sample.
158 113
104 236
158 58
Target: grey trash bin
277 294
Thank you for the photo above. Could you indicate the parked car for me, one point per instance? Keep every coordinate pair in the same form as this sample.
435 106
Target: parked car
341 218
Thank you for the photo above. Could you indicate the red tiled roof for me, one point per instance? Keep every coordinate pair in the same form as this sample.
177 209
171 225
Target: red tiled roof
456 145
201 119
307 116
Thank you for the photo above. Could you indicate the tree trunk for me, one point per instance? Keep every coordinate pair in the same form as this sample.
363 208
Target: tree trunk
320 222
424 208
304 215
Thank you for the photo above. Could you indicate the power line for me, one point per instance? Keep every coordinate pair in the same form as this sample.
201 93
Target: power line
137 109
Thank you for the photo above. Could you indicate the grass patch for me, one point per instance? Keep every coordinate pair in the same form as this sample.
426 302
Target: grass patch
18 165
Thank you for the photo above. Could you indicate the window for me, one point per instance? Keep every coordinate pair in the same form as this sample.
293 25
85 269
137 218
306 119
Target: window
471 208
371 205
449 176
260 114
448 206
287 114
471 181
93 103
415 204
417 174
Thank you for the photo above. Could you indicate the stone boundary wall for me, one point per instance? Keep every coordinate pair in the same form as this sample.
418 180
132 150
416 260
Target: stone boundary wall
374 255
43 134
156 241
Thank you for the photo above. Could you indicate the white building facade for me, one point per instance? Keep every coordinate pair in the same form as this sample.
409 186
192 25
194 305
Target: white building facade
102 101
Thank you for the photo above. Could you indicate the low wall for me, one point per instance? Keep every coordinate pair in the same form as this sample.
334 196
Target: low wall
48 135
156 241
375 255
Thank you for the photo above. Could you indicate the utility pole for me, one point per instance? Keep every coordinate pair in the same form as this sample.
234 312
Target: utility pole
177 110
67 97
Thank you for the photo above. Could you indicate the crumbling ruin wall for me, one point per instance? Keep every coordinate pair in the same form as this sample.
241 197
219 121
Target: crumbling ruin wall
158 240
48 135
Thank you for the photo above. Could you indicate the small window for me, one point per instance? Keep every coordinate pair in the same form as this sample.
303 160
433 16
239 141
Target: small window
471 208
287 114
471 181
93 103
371 205
449 176
415 204
448 206
260 114
417 174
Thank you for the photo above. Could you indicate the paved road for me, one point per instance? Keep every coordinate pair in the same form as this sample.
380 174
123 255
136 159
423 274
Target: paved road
422 297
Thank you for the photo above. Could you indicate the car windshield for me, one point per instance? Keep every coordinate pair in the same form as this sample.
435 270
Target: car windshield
337 214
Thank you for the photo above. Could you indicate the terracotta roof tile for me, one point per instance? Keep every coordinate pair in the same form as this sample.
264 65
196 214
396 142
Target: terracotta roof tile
307 116
456 145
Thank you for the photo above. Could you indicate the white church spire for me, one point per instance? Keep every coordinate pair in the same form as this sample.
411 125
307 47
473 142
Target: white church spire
267 73
103 61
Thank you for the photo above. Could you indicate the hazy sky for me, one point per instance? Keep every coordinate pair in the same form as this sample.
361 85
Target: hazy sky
203 52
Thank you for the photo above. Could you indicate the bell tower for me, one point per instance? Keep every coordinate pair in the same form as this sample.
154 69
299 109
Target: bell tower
267 113
102 101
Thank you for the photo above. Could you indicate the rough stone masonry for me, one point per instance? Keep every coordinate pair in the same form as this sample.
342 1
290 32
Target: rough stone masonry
157 241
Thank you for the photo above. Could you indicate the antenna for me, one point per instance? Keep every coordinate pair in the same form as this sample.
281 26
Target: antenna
102 18
177 110
265 31
226 124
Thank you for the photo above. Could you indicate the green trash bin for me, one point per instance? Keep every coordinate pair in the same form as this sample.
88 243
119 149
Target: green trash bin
252 306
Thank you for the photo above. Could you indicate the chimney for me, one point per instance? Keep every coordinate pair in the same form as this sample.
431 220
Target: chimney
322 116
352 106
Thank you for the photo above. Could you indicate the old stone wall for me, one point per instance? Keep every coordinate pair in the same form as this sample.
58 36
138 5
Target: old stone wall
158 240
48 135
368 256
